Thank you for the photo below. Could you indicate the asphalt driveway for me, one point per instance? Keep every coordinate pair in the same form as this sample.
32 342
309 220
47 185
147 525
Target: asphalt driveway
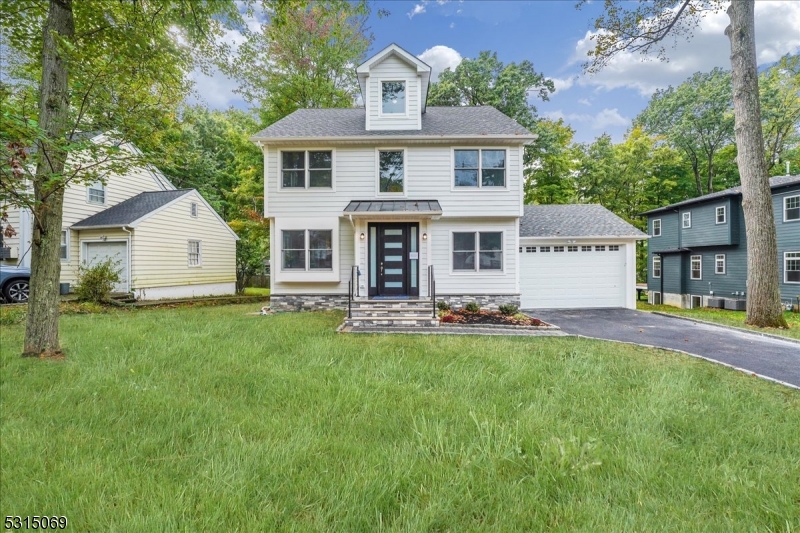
773 358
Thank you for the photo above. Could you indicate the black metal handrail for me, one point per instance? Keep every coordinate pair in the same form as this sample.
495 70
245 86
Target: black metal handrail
352 284
432 288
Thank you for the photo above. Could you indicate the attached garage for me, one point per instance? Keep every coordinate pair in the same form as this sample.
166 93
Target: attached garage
95 253
576 256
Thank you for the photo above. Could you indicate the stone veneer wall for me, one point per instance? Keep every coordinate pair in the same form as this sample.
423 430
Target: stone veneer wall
307 302
486 301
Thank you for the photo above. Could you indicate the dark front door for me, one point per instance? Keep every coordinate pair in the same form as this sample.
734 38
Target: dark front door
390 259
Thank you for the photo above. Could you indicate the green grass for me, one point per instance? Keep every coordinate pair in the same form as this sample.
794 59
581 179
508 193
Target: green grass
727 318
256 291
210 419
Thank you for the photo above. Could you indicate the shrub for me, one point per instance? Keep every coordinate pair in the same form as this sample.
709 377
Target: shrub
448 318
508 309
441 305
96 282
520 316
472 307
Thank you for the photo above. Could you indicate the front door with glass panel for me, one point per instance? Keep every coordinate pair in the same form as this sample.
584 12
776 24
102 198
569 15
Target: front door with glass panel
393 259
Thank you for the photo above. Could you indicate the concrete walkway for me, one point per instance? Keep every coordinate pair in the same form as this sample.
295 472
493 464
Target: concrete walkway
768 357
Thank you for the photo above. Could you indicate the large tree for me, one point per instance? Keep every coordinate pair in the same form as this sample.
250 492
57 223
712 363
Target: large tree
643 27
550 164
91 65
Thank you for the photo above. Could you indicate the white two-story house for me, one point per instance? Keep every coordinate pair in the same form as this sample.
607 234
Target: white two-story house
383 199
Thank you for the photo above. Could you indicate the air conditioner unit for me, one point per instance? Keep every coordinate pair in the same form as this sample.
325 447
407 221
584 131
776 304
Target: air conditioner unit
718 303
735 305
9 252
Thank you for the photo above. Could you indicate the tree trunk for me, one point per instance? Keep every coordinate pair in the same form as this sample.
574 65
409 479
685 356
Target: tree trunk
763 294
41 332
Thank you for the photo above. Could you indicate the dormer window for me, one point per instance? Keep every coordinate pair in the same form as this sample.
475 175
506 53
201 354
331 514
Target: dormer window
393 97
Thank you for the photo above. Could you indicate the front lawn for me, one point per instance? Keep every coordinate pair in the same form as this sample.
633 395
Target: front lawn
727 318
209 419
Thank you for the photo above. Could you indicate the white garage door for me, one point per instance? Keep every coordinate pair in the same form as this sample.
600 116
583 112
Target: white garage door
577 277
96 252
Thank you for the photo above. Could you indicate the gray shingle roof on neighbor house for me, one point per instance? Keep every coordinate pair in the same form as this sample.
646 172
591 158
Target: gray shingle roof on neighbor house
774 183
436 122
132 209
393 206
574 220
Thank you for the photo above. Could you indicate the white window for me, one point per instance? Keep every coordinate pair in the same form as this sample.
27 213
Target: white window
307 249
697 267
791 267
391 171
720 215
687 219
600 248
479 168
530 249
489 250
657 227
586 248
96 193
697 302
572 248
195 253
719 264
656 266
393 97
307 169
193 209
791 208
558 248
613 248
64 245
520 249
544 248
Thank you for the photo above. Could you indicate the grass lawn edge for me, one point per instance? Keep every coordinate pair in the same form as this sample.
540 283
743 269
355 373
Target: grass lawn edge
726 326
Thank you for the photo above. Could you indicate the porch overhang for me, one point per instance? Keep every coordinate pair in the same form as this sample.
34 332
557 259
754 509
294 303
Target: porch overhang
396 209
672 251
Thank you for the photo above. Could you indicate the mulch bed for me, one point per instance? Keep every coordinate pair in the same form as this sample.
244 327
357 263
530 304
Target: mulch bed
495 318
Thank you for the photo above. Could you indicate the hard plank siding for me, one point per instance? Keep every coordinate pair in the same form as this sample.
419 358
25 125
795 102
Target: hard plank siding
705 231
723 285
393 69
788 241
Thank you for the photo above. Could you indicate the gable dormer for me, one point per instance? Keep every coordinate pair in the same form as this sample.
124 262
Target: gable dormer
394 86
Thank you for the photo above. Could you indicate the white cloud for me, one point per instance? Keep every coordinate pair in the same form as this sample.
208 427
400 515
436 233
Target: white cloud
562 84
439 58
584 101
600 121
776 35
216 91
452 25
418 9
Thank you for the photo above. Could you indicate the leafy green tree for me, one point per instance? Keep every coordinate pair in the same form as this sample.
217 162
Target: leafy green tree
550 164
779 89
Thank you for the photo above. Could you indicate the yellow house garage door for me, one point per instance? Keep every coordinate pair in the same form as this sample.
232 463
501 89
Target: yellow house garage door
97 252
570 276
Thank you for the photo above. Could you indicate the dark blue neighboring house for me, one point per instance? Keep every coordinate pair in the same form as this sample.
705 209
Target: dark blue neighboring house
698 248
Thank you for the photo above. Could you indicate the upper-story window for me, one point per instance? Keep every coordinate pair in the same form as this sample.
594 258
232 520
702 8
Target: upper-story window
721 215
657 227
393 97
64 252
391 171
193 209
656 266
791 208
687 219
307 169
490 165
96 193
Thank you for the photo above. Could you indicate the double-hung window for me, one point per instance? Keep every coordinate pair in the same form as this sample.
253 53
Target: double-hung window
307 169
719 264
720 215
791 208
391 171
307 249
96 193
687 219
486 245
64 245
479 168
657 227
393 98
696 267
791 267
194 252
656 266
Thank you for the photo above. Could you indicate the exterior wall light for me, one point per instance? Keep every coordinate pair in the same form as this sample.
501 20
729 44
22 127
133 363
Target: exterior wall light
424 236
362 236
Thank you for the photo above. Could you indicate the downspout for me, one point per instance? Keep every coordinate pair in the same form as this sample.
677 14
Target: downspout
661 259
130 257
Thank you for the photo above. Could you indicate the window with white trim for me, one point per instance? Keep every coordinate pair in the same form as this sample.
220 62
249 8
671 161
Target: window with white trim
489 250
613 248
657 227
656 266
719 264
791 208
572 248
530 249
558 248
791 267
64 253
194 252
720 215
96 193
479 168
193 209
309 169
696 267
687 219
391 171
600 248
544 248
586 248
307 249
393 97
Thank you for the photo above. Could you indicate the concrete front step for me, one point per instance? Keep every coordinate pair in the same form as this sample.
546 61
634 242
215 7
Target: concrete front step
392 312
387 304
392 321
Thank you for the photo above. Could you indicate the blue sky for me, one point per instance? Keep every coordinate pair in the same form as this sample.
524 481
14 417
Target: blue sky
553 35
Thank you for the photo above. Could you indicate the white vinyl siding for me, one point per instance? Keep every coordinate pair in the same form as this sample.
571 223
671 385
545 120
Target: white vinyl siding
393 69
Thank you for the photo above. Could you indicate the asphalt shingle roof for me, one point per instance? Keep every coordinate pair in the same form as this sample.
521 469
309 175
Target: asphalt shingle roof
774 182
574 220
436 122
393 206
132 209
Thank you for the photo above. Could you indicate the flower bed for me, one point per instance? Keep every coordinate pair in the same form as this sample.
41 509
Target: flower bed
488 318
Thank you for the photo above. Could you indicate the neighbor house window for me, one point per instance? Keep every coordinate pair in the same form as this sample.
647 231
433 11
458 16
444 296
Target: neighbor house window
720 215
393 97
487 244
96 193
195 258
657 227
791 208
791 267
307 249
64 245
697 267
193 209
656 266
391 173
687 219
479 168
719 264
307 169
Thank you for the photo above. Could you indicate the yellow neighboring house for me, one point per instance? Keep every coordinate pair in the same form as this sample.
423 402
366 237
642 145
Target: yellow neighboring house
168 242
